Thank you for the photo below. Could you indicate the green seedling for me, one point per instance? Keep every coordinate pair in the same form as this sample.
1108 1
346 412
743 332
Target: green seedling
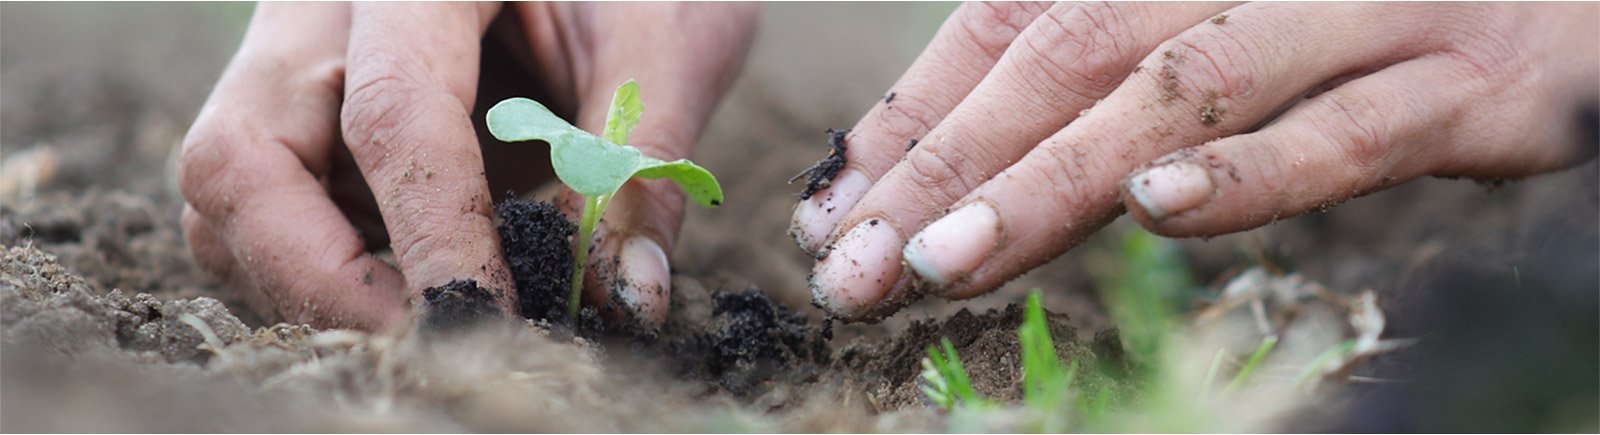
1143 280
597 166
945 380
1251 364
1045 379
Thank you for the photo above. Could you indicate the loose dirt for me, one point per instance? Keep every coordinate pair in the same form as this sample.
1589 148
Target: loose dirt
106 323
537 240
820 175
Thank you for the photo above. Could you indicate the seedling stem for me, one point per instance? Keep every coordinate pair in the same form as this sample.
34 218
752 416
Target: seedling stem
593 208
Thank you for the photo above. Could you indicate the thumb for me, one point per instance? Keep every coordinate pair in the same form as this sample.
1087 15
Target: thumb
629 276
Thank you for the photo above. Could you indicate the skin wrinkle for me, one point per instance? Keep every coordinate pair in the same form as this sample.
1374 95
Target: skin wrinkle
912 115
1381 150
1062 79
1235 84
993 29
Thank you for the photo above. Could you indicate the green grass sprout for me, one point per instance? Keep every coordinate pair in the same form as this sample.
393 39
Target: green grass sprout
1251 364
597 166
1045 379
947 382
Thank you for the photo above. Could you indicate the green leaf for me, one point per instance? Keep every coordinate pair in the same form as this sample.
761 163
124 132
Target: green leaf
934 385
696 181
1042 370
1251 364
624 113
595 166
521 119
592 166
956 375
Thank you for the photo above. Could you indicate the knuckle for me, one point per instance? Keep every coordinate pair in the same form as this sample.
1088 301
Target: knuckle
378 107
1216 61
427 237
909 117
1065 172
991 27
1078 47
208 162
1485 44
1272 172
938 175
1355 128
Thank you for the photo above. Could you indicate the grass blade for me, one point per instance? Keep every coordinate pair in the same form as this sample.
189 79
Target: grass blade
1251 364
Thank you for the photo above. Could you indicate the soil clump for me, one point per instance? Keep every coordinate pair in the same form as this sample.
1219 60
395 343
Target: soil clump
820 175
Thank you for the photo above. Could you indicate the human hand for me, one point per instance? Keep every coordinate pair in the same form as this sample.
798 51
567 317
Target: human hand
396 85
1038 124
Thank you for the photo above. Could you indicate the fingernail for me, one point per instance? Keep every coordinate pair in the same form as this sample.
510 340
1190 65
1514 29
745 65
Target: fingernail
1171 189
953 246
815 218
864 263
646 279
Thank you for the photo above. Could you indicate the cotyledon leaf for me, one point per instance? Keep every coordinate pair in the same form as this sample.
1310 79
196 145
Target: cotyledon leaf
696 181
623 116
595 166
521 119
591 166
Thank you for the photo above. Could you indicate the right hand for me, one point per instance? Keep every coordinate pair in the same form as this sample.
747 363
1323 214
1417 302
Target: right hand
1040 123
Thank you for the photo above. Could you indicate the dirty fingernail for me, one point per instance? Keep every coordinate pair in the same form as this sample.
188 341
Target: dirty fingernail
815 218
862 266
1171 189
953 246
646 279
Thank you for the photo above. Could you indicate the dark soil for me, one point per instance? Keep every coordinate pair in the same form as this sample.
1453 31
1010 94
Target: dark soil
456 306
820 175
89 358
537 241
749 341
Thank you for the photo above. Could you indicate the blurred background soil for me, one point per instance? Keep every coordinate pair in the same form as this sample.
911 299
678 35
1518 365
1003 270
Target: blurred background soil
1499 281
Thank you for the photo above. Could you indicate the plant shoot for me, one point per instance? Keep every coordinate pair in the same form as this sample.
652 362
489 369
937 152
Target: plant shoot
597 166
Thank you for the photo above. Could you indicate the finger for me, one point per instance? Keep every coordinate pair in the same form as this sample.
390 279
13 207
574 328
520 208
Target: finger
257 213
1215 79
965 48
630 275
1375 132
409 90
211 253
1071 56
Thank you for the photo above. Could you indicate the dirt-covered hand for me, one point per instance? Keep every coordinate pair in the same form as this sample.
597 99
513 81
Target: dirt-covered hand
1036 124
326 105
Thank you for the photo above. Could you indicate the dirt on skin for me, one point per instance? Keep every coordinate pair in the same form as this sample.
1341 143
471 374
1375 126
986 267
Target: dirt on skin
820 175
457 305
108 224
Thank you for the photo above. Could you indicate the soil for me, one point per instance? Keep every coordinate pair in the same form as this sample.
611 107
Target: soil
750 342
537 240
458 305
820 175
987 344
107 325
